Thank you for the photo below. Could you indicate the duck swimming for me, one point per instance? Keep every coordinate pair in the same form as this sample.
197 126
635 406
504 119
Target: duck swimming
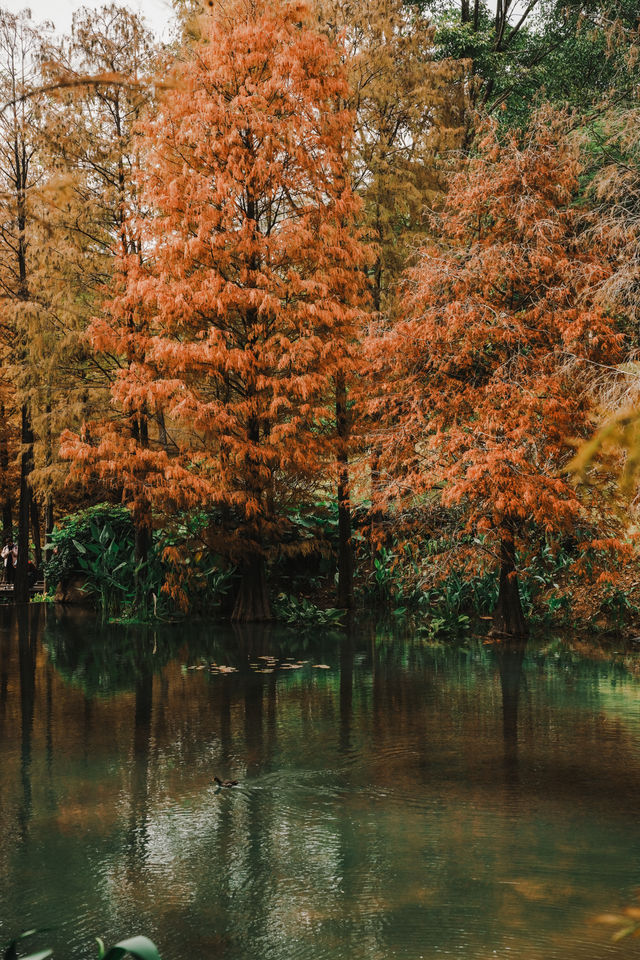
225 783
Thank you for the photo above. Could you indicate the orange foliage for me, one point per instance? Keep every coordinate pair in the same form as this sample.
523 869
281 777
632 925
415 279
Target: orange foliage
237 313
490 365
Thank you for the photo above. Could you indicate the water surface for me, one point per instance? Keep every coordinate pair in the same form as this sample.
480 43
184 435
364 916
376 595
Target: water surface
409 802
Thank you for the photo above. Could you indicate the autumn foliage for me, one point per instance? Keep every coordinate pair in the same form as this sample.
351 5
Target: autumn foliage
235 315
489 366
279 289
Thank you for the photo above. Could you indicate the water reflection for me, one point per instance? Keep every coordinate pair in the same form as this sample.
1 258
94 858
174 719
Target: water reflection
411 800
509 657
28 620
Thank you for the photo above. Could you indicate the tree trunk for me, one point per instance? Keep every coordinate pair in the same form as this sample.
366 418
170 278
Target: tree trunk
345 549
143 534
376 512
21 588
508 618
7 504
48 500
7 517
48 530
143 538
35 532
252 602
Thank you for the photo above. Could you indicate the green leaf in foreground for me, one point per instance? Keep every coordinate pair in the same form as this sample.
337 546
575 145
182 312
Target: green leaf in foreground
140 947
11 950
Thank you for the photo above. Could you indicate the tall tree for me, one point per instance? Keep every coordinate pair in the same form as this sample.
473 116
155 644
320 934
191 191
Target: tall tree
20 49
408 112
99 81
483 396
236 320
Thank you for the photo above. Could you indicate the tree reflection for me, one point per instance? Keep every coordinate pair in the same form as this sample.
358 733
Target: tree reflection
138 837
28 620
371 803
509 657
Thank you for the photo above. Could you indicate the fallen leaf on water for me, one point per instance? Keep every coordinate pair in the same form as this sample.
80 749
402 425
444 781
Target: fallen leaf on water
321 666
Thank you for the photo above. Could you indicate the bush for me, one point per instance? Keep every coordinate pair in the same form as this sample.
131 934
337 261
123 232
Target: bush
76 533
98 545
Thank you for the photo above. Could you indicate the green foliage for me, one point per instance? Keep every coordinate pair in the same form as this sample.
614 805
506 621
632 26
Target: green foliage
112 573
561 56
446 605
10 951
618 606
384 582
299 610
98 546
71 537
446 627
139 947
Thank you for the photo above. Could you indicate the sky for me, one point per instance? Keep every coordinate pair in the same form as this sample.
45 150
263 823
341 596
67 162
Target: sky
156 12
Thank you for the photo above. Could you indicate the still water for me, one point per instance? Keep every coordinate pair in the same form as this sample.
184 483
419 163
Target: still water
412 801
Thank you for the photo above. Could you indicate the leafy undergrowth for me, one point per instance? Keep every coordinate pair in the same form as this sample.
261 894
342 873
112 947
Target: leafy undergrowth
302 611
563 588
592 606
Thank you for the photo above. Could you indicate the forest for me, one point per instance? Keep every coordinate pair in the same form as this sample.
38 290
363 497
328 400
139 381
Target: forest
324 306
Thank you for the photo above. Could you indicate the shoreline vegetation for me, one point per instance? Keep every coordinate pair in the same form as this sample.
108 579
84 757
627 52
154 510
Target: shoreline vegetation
93 564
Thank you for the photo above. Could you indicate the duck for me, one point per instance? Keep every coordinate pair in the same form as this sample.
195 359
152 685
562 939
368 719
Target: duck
225 783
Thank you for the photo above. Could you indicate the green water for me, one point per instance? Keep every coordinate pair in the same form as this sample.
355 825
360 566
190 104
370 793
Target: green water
409 802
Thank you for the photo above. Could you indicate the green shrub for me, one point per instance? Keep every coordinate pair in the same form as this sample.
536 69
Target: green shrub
98 545
292 610
69 540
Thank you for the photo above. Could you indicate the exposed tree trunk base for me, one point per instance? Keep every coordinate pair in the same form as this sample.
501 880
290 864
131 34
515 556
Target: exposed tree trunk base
142 540
508 618
508 621
252 603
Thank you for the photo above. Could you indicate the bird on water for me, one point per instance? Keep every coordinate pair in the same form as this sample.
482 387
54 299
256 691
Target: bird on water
225 783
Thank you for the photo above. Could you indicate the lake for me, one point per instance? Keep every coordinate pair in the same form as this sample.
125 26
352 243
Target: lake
411 801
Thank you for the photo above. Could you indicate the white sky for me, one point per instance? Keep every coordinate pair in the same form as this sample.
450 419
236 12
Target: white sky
158 13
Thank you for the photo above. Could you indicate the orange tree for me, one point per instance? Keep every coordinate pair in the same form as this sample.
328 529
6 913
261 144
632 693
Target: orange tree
487 371
236 313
